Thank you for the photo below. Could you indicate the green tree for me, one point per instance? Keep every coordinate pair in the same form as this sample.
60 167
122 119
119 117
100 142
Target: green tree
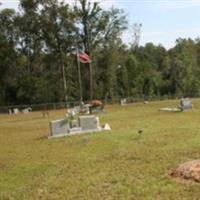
98 29
7 55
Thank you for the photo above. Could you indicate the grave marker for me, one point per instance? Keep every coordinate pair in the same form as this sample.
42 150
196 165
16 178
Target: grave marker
186 104
15 110
27 110
58 127
123 102
10 112
89 122
85 124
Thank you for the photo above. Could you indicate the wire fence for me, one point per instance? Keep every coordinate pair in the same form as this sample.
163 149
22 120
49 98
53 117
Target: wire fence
38 107
65 105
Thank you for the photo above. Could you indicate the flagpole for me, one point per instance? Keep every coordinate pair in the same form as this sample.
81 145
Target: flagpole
79 76
91 81
64 76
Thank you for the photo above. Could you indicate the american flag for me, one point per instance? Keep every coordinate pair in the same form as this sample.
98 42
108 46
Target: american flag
83 57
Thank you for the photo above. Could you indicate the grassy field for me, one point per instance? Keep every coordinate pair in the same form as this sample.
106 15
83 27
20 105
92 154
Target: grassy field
101 166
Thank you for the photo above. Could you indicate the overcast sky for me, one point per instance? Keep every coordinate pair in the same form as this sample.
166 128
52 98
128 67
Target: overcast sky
163 21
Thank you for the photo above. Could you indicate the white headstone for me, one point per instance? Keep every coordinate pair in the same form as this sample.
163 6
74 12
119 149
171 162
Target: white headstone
123 101
15 110
27 110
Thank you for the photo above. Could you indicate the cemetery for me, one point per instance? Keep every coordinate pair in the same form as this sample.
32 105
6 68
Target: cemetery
96 105
146 152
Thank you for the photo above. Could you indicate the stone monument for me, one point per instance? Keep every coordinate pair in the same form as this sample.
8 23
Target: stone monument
186 104
58 127
84 124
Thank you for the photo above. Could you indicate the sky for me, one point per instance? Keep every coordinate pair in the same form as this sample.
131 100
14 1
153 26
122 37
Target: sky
163 21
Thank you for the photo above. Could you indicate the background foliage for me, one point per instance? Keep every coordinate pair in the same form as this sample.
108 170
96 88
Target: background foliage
38 42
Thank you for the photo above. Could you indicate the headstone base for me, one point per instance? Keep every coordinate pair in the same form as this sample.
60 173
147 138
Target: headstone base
75 132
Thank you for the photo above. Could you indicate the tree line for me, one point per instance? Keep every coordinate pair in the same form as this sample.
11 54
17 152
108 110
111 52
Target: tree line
38 63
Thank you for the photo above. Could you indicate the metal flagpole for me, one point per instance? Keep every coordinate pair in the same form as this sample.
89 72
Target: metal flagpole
90 65
64 76
64 82
91 82
79 75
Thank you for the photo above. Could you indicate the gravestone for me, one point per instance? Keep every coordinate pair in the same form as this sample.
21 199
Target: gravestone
58 127
89 122
84 124
15 110
10 111
27 110
186 104
123 102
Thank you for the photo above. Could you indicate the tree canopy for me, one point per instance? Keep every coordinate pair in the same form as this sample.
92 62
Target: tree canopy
38 63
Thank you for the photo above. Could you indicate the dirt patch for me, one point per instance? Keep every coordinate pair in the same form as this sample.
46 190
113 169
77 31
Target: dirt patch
188 171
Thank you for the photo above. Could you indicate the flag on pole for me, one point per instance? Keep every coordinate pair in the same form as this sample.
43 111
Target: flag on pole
83 57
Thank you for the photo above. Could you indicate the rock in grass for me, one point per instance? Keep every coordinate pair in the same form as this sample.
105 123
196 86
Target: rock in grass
188 171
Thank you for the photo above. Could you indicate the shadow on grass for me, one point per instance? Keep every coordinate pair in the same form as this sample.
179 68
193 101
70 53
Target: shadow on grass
43 137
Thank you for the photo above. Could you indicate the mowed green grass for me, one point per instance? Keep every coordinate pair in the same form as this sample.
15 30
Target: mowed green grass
110 165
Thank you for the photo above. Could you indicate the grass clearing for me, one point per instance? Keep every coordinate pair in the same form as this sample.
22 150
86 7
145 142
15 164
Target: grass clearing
111 165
